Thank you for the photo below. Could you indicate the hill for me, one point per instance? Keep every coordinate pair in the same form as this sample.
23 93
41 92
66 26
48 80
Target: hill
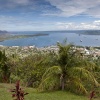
90 32
3 32
4 35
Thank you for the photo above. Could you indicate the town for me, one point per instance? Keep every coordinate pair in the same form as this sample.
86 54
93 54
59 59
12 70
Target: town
24 51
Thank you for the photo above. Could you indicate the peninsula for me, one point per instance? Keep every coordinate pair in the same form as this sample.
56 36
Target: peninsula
4 35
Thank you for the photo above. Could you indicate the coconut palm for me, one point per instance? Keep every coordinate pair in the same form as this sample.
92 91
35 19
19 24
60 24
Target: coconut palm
71 73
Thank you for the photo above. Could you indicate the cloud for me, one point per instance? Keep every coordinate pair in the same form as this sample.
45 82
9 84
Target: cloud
11 23
12 4
75 7
95 25
23 6
62 8
22 2
95 12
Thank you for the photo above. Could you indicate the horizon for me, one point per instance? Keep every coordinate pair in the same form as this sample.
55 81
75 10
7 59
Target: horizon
54 30
49 15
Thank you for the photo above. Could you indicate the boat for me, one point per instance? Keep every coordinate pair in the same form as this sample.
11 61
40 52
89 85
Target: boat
80 40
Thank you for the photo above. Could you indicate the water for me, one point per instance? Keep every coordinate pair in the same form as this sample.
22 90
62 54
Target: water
52 38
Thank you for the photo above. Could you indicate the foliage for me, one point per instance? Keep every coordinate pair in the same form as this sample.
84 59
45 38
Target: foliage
31 69
34 95
72 73
65 69
4 68
18 93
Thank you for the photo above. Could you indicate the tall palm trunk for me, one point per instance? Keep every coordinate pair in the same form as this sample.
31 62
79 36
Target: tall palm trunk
62 82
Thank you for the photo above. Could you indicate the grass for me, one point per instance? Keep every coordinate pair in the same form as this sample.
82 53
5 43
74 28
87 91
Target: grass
57 95
34 95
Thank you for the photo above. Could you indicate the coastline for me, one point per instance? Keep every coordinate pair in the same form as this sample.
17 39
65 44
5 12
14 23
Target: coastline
3 38
41 39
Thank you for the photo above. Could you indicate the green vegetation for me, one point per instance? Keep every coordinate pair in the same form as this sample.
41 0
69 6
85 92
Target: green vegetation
50 72
72 69
4 68
34 95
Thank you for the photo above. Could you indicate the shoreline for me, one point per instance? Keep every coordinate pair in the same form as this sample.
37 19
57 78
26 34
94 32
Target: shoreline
11 37
46 46
41 39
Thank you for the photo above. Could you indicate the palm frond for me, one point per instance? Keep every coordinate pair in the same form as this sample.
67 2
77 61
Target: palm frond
83 73
55 70
89 65
49 83
77 86
50 79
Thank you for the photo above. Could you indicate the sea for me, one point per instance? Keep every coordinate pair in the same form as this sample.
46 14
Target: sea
52 38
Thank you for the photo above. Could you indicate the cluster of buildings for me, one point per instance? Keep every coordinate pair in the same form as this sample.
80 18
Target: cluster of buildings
24 51
93 52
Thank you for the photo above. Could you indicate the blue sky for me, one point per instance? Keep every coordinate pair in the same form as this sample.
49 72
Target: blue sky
44 15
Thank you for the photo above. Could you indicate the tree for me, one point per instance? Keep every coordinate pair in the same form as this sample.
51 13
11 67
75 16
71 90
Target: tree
30 69
71 72
4 68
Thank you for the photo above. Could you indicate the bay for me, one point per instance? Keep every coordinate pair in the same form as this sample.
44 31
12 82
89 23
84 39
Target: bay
52 38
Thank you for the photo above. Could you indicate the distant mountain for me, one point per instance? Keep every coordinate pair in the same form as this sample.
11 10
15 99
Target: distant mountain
84 32
90 32
4 35
3 32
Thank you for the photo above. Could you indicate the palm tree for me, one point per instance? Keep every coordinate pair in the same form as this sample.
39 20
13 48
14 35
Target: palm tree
71 72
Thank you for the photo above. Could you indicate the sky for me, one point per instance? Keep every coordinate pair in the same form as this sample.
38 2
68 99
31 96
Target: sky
46 15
